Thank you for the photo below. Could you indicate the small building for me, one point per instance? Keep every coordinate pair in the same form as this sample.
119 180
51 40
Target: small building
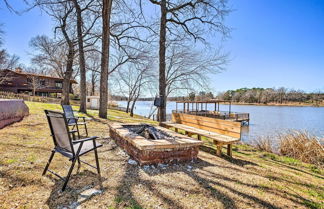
93 102
17 81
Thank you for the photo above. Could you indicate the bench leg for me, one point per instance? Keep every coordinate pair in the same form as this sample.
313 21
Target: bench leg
199 137
189 134
176 130
229 150
219 150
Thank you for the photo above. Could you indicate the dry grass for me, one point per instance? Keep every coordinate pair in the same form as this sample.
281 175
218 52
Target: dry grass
264 144
303 146
252 179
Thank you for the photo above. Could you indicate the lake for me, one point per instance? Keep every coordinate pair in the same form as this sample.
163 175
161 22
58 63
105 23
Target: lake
264 120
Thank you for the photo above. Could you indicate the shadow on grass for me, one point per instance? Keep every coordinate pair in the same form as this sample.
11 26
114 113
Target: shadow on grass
233 160
228 203
125 196
80 189
292 168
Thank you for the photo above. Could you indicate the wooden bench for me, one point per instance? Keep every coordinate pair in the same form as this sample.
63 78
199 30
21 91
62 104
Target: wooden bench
222 132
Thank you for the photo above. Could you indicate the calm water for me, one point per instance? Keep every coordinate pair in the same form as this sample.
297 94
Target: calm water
264 120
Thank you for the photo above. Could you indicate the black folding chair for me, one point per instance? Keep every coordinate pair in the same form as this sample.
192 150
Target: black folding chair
74 121
66 144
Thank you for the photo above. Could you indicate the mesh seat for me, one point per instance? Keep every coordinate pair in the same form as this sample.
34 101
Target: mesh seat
66 144
86 147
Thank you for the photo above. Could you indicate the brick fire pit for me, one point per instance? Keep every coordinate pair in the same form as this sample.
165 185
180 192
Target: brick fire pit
160 146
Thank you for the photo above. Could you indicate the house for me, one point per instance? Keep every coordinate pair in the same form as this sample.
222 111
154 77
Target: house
17 81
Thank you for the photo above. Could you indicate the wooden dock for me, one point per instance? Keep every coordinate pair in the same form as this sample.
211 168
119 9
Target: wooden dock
200 108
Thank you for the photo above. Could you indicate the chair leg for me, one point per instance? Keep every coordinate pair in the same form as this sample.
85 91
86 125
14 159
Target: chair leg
85 127
49 162
97 160
79 163
69 174
98 167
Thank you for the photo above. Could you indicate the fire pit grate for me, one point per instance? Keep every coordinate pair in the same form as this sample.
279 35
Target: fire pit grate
148 132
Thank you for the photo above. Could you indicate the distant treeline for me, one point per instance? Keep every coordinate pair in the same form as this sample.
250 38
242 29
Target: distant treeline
272 95
123 98
249 95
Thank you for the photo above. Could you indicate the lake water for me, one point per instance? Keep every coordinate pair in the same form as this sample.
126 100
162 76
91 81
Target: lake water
264 120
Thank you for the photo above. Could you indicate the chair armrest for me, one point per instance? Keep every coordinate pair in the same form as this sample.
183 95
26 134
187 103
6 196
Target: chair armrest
69 118
85 139
84 118
72 118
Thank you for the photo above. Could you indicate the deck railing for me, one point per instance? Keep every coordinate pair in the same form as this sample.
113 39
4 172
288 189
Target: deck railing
11 95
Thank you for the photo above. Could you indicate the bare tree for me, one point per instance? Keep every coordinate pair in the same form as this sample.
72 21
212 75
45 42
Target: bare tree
62 13
194 18
87 9
120 34
50 56
93 67
106 14
8 61
133 79
188 70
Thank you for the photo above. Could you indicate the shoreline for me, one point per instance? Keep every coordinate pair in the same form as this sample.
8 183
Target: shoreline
258 104
278 105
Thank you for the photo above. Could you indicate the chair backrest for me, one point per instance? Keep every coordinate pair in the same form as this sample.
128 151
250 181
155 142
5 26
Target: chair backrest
59 130
68 111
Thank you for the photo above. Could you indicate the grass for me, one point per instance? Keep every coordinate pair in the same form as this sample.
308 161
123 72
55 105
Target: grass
251 179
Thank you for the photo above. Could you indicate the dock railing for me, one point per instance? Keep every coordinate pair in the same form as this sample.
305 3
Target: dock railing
224 115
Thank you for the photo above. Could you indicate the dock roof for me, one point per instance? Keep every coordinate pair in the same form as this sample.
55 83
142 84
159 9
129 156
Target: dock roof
205 101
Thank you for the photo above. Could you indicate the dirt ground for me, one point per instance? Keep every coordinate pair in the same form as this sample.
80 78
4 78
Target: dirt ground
252 179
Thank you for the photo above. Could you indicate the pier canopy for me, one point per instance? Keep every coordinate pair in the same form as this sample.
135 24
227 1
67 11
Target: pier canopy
203 105
210 108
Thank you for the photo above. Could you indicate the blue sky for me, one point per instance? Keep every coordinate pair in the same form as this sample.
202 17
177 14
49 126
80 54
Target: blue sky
273 43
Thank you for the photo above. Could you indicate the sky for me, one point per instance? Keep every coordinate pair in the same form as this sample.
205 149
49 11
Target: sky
273 43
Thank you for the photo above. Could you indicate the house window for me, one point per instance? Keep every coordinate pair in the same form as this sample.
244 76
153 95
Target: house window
42 82
88 100
29 80
58 84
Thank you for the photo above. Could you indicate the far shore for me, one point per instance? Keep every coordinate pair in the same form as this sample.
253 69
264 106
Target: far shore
284 104
297 104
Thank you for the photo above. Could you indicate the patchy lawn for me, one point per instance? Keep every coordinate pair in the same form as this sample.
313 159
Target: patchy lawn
252 179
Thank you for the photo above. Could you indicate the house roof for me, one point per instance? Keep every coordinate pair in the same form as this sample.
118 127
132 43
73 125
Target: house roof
41 76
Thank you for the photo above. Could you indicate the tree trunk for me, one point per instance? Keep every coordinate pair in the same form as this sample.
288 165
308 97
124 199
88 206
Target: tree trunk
93 83
134 101
67 76
132 108
103 103
162 80
69 65
128 103
83 84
